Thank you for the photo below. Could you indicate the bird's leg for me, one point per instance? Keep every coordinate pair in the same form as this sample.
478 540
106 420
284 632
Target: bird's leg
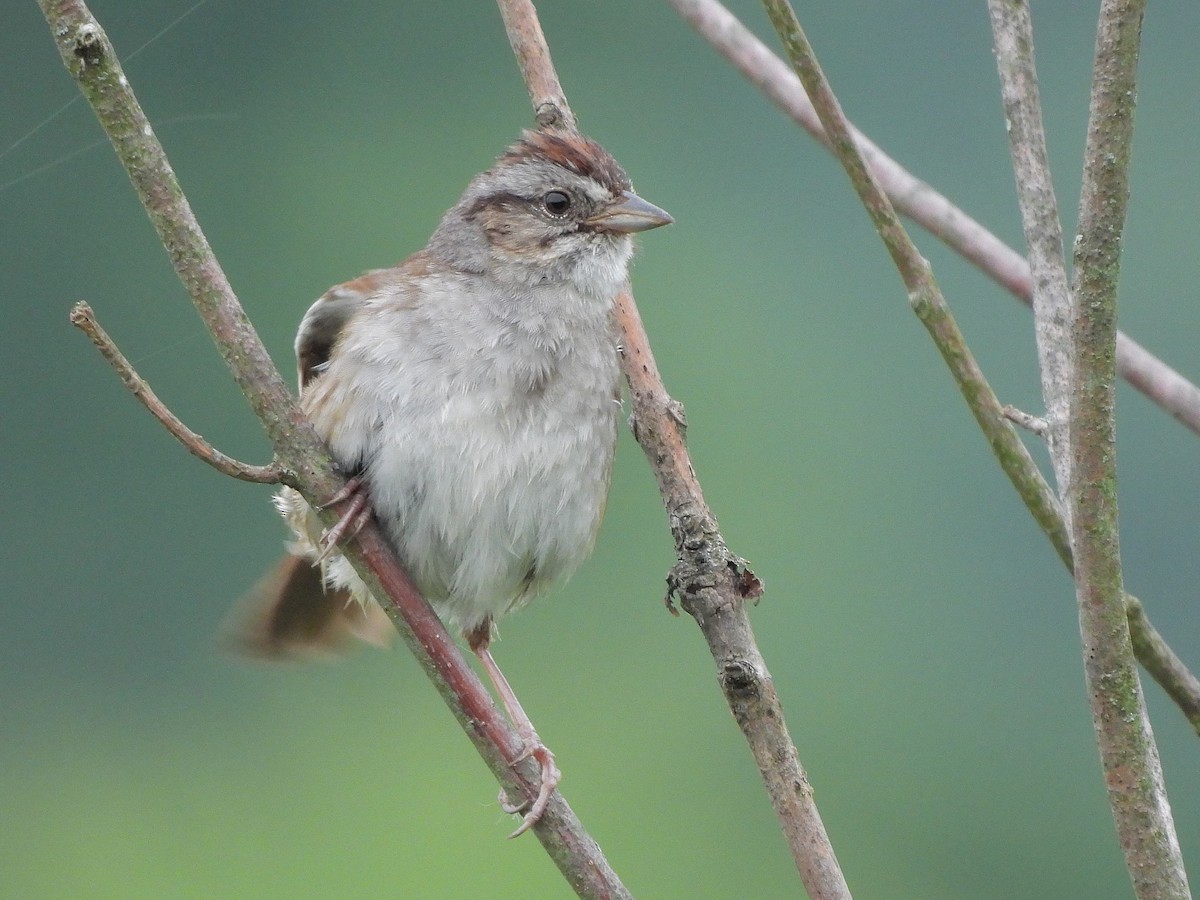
352 520
533 744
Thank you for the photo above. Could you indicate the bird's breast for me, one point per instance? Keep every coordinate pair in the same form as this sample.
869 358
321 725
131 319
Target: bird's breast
491 477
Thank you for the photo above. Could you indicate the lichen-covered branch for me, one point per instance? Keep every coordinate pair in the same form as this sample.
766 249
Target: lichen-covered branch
922 203
924 294
91 60
1132 770
1013 34
1131 765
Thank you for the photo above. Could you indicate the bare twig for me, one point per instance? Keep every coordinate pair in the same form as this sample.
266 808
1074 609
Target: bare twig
930 305
1160 660
924 294
91 60
1131 765
84 319
1132 770
1020 418
711 582
533 57
712 585
931 308
1013 31
922 203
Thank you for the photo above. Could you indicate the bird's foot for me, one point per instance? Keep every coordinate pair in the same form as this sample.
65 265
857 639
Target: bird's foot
532 744
550 779
351 521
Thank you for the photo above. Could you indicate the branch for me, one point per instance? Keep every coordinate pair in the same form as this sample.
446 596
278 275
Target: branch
712 585
84 319
711 582
1013 32
91 60
1032 424
931 307
1132 770
921 203
929 208
1160 660
924 294
533 59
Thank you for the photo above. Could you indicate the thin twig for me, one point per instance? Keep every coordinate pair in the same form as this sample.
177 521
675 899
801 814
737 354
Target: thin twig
84 319
1129 756
712 583
924 294
1160 660
922 203
529 45
1013 34
1020 418
928 207
91 60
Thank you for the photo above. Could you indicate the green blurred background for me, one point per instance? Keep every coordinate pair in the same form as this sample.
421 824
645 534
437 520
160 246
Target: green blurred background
920 631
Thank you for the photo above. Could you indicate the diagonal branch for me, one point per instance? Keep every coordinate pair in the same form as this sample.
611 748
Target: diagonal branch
1013 29
92 62
533 59
1129 756
924 205
711 582
712 585
84 319
924 294
1161 662
1131 765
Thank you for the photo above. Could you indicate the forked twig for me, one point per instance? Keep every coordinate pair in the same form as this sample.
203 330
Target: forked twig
926 206
84 319
1132 771
1075 344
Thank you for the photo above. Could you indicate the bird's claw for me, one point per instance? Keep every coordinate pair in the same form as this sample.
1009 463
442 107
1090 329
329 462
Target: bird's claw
351 521
551 776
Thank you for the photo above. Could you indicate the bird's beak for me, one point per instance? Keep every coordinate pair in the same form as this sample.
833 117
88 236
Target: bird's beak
630 213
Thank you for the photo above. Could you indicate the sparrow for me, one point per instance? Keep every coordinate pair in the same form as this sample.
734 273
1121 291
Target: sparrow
471 394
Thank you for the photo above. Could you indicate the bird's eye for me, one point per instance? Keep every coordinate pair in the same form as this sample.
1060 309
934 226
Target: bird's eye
556 203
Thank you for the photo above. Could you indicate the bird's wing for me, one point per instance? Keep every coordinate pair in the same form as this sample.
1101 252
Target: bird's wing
326 320
322 325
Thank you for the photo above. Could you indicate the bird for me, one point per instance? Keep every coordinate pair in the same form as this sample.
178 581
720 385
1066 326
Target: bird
471 395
